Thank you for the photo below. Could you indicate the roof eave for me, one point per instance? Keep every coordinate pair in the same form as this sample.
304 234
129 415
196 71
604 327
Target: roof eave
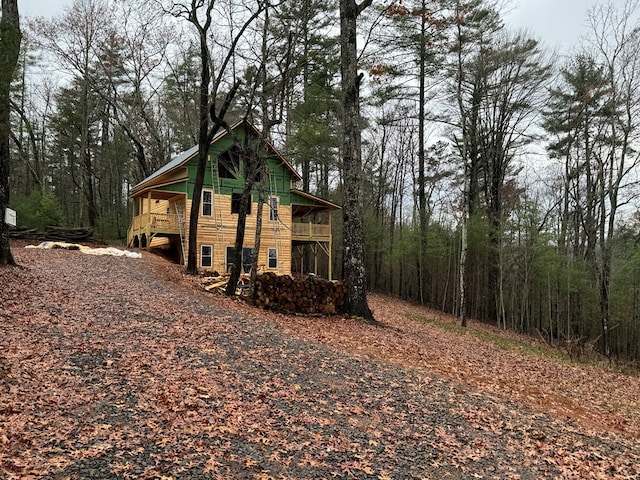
322 201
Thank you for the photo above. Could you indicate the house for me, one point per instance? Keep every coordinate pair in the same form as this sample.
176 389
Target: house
295 224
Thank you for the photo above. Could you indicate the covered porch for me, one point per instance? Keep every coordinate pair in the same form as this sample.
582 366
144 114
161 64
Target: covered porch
311 240
158 220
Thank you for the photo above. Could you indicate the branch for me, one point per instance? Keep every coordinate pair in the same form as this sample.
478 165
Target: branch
232 47
362 5
218 119
26 159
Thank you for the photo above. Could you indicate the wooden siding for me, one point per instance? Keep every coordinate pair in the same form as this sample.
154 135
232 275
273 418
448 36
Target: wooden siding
219 231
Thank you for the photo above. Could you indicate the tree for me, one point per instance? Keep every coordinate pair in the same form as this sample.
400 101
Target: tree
312 117
472 22
501 93
353 267
617 46
421 26
78 39
180 97
10 38
125 78
574 121
250 157
211 117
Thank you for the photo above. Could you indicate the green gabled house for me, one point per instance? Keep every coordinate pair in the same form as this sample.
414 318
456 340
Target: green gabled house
293 222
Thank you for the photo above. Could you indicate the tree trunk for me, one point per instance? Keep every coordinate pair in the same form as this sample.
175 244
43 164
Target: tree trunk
251 161
422 195
259 215
10 38
236 269
352 213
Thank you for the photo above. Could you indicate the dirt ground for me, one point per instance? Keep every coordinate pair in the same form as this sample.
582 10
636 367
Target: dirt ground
123 368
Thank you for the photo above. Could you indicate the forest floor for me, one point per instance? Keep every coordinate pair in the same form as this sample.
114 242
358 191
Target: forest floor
125 368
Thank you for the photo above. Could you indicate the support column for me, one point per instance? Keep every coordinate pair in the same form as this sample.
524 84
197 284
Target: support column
148 226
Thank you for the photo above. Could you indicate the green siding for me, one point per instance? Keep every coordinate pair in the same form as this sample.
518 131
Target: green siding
281 175
176 187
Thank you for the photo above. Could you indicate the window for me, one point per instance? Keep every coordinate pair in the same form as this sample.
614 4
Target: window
207 202
229 163
235 203
273 258
206 256
273 209
247 252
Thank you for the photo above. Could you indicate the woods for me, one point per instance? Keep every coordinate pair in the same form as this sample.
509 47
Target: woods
478 172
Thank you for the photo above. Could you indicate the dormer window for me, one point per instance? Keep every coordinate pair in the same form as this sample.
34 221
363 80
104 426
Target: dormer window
229 163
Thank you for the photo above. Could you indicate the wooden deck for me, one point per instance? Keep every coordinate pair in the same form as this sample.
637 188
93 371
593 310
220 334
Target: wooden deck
153 224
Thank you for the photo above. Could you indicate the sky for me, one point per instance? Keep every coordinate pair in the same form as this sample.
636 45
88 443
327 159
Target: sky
558 23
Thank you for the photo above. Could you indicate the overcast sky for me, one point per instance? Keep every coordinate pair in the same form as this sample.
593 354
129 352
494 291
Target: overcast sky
559 23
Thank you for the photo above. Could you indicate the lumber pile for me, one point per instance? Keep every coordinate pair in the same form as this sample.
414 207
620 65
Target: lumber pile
218 283
310 295
68 234
214 282
57 234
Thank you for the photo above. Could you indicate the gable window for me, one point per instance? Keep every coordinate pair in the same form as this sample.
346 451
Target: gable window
235 203
273 258
273 209
247 252
207 202
229 163
206 256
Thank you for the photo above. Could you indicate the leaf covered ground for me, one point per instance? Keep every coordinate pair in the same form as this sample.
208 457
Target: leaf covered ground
122 368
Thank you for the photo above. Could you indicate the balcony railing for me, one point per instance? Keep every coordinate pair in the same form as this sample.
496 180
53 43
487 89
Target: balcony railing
311 231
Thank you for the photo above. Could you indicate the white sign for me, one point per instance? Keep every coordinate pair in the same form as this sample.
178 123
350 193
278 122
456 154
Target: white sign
10 217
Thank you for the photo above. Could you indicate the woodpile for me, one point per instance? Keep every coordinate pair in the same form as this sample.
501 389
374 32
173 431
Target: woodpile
310 295
59 234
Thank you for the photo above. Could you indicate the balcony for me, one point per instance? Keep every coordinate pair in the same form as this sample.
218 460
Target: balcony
310 232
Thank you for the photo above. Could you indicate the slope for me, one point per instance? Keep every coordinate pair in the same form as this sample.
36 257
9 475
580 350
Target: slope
122 368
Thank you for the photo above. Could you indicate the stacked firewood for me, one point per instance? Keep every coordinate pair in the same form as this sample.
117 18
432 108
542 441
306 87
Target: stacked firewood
61 234
310 295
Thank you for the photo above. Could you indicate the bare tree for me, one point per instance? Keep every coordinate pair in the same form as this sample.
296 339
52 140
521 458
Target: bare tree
212 116
10 39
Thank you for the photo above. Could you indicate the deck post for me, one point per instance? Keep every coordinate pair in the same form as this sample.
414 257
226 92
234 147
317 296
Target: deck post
329 251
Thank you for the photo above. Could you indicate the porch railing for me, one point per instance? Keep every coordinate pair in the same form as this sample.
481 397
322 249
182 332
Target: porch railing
157 223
